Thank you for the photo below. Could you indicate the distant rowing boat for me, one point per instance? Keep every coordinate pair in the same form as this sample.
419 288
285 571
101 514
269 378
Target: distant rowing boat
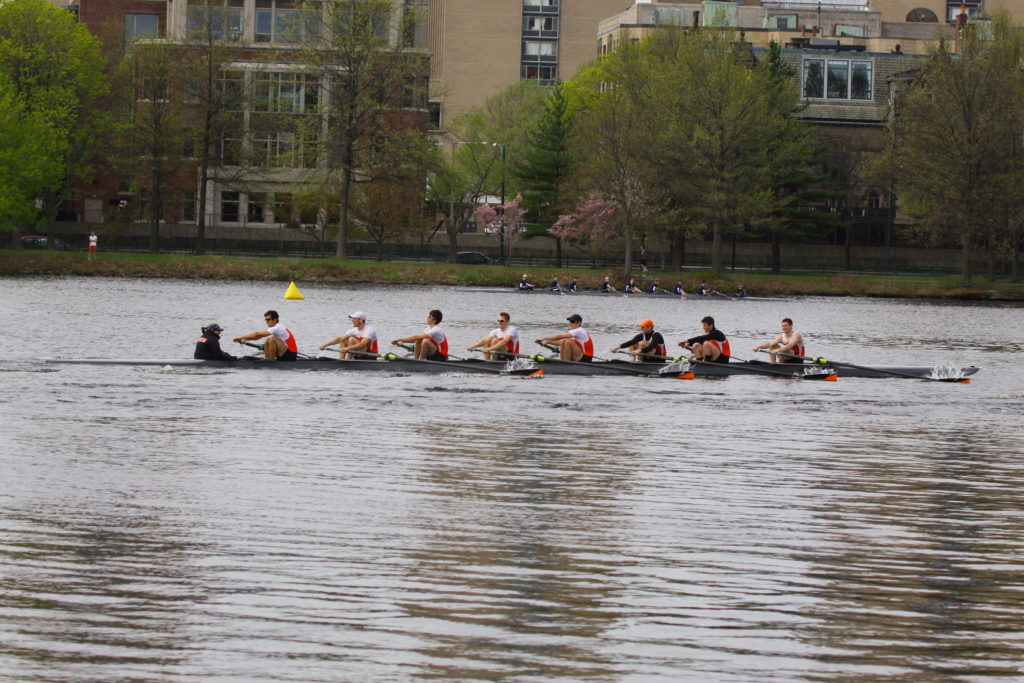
550 367
657 295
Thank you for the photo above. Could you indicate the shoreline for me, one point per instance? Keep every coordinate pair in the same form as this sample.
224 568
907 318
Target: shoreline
351 271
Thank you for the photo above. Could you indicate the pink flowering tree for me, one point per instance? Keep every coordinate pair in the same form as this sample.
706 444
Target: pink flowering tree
594 227
507 224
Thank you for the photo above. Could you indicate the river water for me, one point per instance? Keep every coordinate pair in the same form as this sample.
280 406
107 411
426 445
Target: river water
163 524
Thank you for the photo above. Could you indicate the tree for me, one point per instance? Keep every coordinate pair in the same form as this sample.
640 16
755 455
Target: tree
593 227
959 126
508 223
367 75
28 160
543 171
54 70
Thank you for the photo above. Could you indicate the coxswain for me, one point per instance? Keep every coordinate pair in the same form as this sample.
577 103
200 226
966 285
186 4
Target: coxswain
646 347
572 286
783 348
524 284
702 289
503 339
361 337
678 289
712 346
741 291
632 287
208 344
606 286
431 344
280 342
554 286
574 345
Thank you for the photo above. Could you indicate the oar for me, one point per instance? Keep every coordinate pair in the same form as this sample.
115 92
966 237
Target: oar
658 368
745 367
457 365
715 291
303 356
618 292
891 373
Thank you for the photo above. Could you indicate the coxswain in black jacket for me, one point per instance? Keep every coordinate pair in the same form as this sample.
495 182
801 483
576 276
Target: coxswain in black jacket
208 344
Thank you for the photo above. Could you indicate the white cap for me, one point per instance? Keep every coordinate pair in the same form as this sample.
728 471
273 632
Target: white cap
358 314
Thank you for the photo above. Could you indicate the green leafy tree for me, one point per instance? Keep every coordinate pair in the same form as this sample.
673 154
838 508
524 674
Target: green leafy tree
955 154
53 68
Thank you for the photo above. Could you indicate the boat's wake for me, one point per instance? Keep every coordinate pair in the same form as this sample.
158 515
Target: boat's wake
948 371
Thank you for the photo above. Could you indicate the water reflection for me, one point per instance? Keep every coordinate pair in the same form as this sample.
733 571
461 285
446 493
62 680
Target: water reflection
527 512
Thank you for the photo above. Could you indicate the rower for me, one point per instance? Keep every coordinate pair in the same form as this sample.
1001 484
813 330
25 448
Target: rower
789 342
524 284
432 344
576 344
702 289
632 287
646 347
741 291
361 337
655 287
712 346
503 339
280 342
572 286
553 285
606 286
208 344
678 289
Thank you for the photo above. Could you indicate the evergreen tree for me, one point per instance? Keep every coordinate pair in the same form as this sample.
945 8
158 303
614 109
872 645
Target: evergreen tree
544 167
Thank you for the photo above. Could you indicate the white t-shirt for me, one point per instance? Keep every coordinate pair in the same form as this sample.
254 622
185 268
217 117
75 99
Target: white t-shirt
509 331
580 335
279 331
436 333
366 333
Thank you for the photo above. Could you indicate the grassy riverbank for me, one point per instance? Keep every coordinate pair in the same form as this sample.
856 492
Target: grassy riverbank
14 263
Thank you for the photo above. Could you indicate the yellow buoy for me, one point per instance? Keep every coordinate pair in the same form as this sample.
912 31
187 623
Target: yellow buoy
293 292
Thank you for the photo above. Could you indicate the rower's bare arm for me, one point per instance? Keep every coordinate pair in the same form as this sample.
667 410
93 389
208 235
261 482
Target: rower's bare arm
336 340
258 334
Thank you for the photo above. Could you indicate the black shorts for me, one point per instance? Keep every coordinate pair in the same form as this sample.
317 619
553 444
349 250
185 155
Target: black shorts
585 359
437 356
720 359
288 356
790 359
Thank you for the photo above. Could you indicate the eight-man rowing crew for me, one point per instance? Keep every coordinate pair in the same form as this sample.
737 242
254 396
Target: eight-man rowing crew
631 287
575 345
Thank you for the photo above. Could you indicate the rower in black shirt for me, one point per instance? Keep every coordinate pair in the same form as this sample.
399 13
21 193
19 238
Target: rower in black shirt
554 286
632 287
606 286
741 292
208 344
702 289
712 346
646 347
655 288
678 289
524 283
572 286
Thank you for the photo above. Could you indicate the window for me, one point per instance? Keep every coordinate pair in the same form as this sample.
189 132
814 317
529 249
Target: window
837 79
282 149
953 11
284 21
229 205
214 21
434 111
231 88
285 92
188 206
138 26
783 21
540 5
544 74
540 26
255 212
414 25
539 51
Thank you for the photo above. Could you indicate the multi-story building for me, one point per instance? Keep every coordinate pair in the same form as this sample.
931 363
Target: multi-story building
481 47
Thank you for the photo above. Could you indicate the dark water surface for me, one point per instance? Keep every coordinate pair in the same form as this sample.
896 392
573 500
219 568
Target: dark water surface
174 524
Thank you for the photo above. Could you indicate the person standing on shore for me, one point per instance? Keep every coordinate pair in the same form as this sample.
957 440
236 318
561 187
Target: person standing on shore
93 241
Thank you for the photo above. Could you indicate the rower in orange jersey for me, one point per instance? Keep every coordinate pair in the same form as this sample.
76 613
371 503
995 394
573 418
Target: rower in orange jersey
501 340
574 345
361 337
279 341
432 344
712 346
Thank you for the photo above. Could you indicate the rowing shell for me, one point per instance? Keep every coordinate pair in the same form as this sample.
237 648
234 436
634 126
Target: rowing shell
474 365
608 295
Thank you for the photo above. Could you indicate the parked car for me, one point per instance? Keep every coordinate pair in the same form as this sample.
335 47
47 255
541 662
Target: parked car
473 258
40 242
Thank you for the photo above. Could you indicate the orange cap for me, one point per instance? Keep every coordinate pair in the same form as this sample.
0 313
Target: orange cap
646 322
